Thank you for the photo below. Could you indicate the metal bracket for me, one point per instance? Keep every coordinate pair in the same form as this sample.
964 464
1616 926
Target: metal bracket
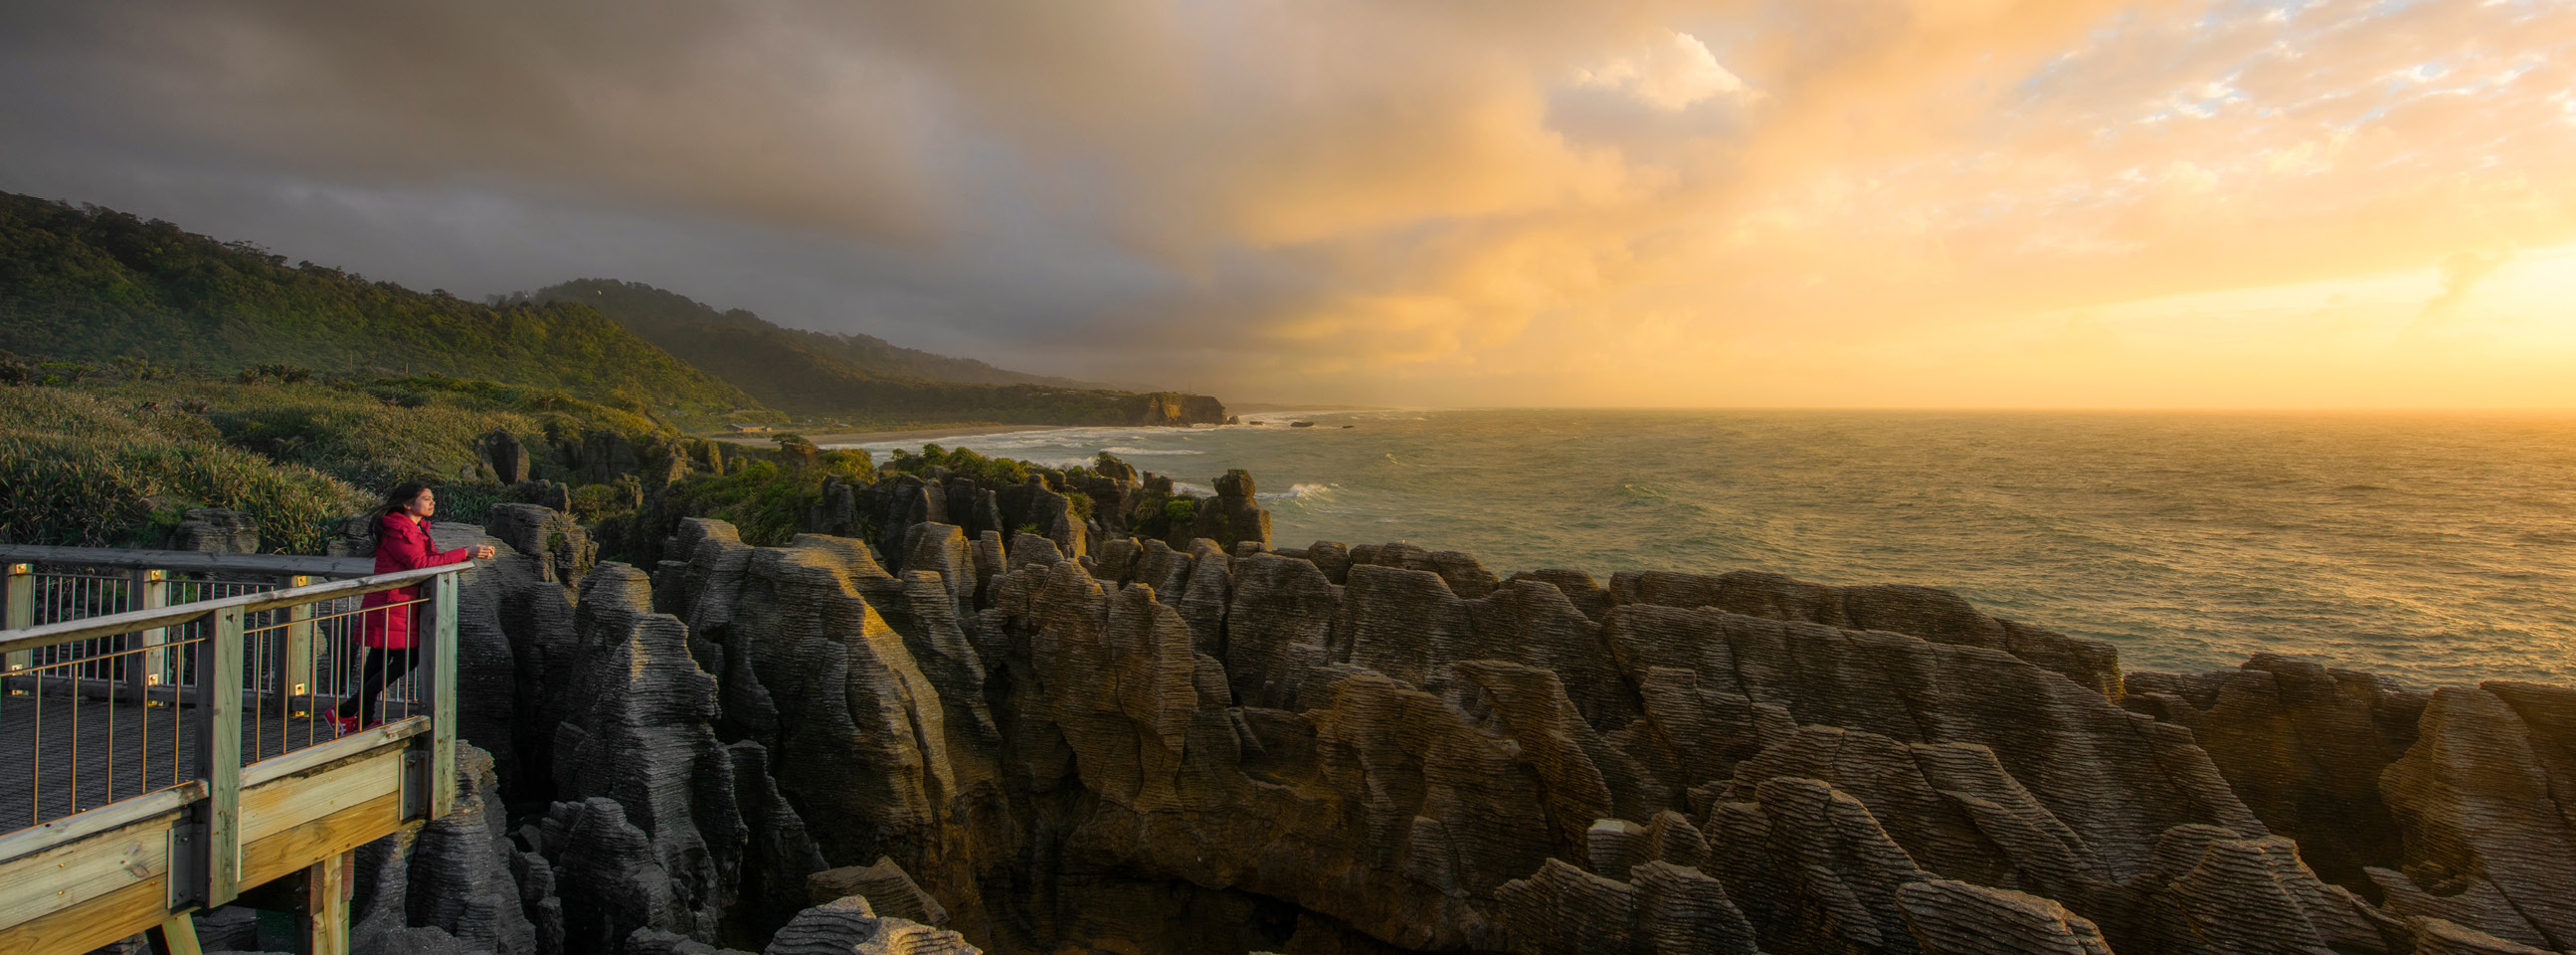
415 791
186 883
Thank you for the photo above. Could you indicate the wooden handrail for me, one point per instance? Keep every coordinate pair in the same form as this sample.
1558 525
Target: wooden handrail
12 641
188 561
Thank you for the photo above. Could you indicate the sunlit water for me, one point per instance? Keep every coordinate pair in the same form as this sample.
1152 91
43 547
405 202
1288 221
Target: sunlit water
2436 549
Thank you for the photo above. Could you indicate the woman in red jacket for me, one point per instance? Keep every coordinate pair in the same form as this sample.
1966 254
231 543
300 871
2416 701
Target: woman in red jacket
402 543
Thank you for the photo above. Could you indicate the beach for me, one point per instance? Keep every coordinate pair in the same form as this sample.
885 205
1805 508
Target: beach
881 437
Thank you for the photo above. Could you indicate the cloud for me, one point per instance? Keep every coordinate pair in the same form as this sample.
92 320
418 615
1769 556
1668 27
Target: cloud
1508 201
2461 272
1672 73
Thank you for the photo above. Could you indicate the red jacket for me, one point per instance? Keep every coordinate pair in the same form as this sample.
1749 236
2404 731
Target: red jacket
401 544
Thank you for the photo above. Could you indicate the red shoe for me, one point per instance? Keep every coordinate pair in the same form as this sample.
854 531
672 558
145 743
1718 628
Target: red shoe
342 725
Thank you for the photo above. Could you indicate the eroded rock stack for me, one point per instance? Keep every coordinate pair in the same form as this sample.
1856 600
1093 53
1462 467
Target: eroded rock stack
1057 744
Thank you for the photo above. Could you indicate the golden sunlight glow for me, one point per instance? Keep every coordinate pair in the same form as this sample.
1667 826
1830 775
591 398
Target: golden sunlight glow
2025 203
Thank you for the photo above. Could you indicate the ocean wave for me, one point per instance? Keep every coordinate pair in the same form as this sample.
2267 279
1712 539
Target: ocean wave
1123 451
1302 490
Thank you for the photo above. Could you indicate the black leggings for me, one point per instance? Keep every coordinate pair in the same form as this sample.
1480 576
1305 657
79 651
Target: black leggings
380 668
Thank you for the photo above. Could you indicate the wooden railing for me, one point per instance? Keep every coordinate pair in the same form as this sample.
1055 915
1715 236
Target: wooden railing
139 702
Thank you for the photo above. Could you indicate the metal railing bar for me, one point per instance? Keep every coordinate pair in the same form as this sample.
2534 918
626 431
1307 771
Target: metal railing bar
36 758
49 634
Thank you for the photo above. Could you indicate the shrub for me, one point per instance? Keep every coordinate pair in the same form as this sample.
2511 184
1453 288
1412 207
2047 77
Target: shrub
471 502
82 471
593 500
281 373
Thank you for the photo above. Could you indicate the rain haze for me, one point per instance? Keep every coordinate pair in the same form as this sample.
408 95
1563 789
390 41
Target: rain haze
1855 203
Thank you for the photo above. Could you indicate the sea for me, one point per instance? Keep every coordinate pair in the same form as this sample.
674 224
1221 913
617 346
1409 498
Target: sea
2432 548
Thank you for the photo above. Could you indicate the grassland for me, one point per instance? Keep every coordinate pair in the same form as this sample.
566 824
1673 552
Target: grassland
114 463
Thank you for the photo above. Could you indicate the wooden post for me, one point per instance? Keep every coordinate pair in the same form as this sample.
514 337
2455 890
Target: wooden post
20 610
151 591
436 639
219 738
176 936
294 662
326 907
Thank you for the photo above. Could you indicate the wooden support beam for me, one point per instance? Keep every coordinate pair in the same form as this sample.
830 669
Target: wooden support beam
314 898
176 936
326 907
294 667
18 612
437 635
144 672
219 710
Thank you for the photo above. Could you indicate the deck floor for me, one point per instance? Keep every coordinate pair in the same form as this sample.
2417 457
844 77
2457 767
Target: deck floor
122 750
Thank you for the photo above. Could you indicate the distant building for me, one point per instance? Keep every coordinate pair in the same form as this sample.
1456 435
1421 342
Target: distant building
748 428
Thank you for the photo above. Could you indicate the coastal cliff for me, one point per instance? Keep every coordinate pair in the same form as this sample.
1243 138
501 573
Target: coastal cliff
977 712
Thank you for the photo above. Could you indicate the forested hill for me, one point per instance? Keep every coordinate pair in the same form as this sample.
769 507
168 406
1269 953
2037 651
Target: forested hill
91 284
655 313
812 373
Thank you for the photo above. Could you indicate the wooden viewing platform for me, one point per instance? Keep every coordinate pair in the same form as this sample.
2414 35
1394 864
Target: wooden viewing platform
163 760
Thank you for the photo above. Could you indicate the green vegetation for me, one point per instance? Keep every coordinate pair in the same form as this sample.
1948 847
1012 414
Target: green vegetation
113 461
766 501
145 370
654 314
990 472
816 374
93 470
87 287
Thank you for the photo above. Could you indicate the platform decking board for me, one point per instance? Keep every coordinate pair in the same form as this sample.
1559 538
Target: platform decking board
269 735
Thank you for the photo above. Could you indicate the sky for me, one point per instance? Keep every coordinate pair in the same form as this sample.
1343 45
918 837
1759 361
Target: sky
1743 203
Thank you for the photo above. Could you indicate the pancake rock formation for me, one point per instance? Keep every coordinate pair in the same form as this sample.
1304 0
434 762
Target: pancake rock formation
942 735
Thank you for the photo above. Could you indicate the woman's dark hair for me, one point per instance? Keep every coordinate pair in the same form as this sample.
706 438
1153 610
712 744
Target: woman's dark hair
402 494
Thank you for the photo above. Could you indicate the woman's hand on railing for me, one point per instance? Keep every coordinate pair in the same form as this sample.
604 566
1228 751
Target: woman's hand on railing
484 552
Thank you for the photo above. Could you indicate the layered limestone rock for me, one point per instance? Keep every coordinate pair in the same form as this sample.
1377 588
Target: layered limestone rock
215 530
848 927
1233 517
1935 615
885 886
1956 918
2303 746
449 884
2486 804
505 455
515 640
1125 745
639 732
